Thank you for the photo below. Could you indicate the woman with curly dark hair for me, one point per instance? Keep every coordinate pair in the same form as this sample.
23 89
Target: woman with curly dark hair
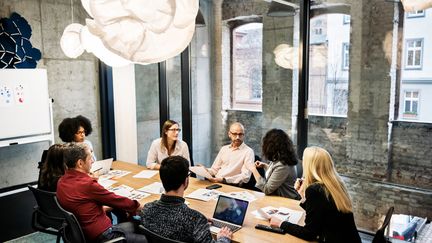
53 168
75 130
281 172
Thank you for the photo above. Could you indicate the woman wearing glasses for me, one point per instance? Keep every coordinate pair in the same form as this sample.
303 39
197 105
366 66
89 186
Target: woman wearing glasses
76 130
168 145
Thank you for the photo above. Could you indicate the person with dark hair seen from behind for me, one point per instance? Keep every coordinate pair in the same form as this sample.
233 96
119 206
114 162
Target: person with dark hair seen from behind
52 169
329 216
168 145
281 172
76 130
83 196
169 216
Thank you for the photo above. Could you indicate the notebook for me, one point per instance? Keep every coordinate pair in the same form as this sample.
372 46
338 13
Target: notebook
229 212
101 166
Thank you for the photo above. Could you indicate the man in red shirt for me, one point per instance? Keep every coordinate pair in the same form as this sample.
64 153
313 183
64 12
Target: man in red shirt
83 196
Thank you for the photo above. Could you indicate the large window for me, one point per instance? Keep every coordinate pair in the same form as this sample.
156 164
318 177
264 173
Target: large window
247 66
414 49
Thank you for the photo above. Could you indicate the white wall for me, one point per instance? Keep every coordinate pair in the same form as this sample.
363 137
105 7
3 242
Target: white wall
125 114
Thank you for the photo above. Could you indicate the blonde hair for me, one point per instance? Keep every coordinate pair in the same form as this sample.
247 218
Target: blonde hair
318 167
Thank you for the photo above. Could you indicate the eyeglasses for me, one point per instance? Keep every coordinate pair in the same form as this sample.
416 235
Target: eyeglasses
237 134
175 129
80 132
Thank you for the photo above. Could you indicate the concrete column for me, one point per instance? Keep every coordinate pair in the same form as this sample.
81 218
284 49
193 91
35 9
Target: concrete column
218 119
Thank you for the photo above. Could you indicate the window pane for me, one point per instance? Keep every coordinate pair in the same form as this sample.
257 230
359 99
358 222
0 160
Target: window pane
414 106
329 66
247 66
415 94
417 58
410 58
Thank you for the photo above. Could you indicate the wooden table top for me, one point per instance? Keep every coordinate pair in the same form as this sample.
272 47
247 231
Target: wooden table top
247 233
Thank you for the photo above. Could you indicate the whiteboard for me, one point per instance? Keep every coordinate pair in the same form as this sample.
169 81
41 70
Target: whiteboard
24 103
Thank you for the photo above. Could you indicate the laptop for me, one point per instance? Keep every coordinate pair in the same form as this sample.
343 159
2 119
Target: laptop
229 212
101 166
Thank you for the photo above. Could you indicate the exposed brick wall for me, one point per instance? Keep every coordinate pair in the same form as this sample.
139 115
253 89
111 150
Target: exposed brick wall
412 154
372 199
235 8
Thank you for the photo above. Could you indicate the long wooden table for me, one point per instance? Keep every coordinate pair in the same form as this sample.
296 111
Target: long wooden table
247 233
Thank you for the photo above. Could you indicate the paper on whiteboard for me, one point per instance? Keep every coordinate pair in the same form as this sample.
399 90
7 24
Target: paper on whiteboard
201 171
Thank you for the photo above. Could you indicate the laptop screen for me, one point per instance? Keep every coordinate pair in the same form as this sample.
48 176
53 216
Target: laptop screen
231 210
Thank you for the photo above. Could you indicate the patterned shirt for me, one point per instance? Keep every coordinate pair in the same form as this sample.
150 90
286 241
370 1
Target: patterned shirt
172 218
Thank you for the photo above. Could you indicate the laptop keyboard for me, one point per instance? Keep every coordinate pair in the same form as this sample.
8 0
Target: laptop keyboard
220 224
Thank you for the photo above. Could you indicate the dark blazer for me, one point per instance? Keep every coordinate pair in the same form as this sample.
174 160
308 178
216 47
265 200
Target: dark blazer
323 221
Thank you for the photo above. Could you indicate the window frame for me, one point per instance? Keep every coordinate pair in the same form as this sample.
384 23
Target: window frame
408 49
411 114
345 56
416 14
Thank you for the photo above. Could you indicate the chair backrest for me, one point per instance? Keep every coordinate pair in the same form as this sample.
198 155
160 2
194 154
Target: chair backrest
72 232
379 235
46 214
153 237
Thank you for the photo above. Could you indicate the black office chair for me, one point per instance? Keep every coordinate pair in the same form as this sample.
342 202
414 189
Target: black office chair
155 238
379 235
46 216
71 231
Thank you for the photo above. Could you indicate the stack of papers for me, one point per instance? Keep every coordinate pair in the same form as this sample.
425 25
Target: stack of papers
284 214
154 188
204 194
129 192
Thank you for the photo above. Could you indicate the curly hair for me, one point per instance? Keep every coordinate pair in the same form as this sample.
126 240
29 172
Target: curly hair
85 123
53 167
67 129
277 146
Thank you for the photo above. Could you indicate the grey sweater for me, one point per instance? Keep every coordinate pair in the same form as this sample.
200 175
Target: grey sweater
172 218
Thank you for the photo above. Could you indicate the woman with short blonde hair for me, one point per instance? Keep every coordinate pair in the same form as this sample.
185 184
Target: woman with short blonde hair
328 206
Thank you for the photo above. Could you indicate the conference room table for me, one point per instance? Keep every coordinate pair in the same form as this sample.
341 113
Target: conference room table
247 233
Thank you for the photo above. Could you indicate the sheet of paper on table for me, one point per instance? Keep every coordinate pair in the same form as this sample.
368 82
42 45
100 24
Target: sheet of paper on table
201 171
204 194
146 174
285 214
154 188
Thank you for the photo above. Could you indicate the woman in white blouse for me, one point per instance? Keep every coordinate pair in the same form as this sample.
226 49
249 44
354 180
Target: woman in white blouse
168 145
281 172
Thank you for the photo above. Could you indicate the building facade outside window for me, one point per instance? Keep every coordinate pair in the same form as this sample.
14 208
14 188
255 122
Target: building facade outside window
247 67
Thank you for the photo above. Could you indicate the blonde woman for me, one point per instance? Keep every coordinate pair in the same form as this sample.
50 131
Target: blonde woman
325 199
168 145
